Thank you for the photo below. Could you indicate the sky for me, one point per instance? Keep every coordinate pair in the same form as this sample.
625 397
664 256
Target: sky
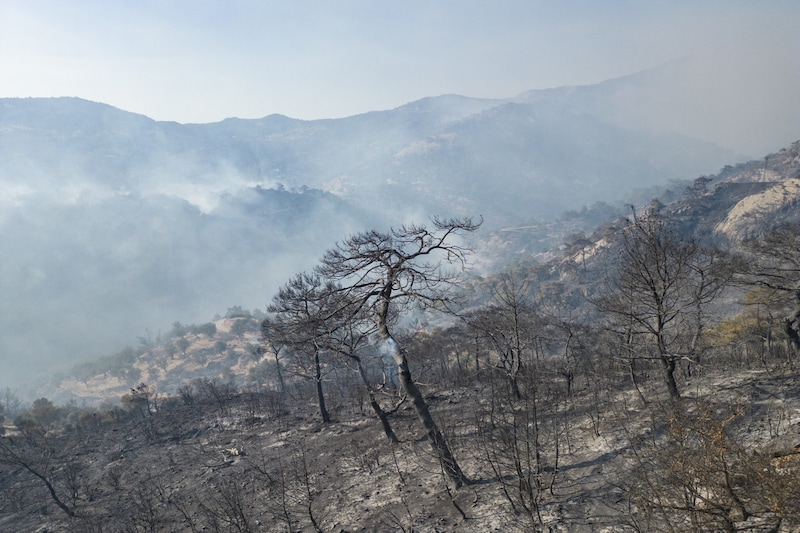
203 61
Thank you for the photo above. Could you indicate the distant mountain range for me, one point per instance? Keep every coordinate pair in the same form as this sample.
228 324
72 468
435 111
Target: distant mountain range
113 225
506 159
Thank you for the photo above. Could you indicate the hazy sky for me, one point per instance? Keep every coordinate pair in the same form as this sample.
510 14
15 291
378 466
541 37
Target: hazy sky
202 61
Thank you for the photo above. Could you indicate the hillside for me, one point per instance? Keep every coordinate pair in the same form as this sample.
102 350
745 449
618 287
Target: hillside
637 380
220 459
115 225
710 210
740 203
225 350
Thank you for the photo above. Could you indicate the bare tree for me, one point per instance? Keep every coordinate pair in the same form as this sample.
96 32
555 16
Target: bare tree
301 323
144 397
270 343
11 402
349 341
508 327
226 507
659 292
385 272
775 267
218 392
311 317
524 419
35 454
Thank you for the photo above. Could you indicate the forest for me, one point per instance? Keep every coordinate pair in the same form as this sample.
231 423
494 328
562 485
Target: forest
644 379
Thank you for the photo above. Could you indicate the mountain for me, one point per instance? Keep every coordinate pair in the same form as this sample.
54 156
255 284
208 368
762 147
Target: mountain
196 428
538 158
114 225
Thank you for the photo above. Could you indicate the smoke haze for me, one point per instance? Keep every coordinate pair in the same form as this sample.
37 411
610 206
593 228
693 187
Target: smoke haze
114 226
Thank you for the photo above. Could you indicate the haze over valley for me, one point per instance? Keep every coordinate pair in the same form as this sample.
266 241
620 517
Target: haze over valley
127 202
115 225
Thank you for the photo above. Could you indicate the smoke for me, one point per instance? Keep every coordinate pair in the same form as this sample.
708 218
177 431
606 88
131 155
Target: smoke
85 276
113 226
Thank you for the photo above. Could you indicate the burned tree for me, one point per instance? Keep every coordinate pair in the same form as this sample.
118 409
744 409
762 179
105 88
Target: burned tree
33 452
508 325
659 293
349 340
311 317
385 272
300 323
775 267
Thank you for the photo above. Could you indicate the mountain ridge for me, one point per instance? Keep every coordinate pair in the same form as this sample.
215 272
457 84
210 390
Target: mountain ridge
344 156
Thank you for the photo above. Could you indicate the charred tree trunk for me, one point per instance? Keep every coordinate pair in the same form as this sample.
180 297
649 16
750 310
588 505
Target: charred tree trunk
384 418
668 362
668 368
323 411
515 386
280 373
52 491
791 325
387 427
11 457
437 440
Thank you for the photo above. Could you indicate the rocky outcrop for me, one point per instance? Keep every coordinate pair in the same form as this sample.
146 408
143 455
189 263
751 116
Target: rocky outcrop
752 214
